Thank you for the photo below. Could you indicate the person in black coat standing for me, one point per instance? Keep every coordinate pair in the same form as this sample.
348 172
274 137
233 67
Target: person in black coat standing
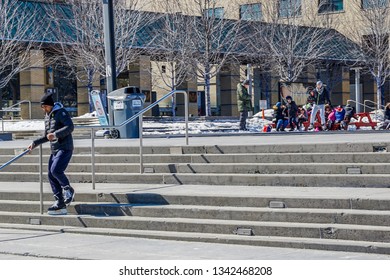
58 130
292 111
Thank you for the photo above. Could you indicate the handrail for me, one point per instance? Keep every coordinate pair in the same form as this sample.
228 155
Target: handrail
140 115
358 103
7 109
376 104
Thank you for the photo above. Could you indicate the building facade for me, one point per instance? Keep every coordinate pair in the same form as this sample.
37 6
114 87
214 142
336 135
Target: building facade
147 73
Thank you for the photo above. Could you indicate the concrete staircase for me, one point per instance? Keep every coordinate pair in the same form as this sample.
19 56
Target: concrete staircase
322 221
309 165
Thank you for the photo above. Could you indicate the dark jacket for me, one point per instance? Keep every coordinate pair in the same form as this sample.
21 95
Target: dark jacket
244 100
387 114
59 122
292 109
311 98
321 96
279 111
349 111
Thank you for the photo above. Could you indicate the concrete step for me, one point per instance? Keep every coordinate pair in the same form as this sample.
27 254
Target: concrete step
26 134
265 241
318 148
301 230
316 221
216 200
293 180
290 158
290 215
225 168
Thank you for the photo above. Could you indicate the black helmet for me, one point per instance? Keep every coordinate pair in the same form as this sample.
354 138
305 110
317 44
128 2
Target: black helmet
288 97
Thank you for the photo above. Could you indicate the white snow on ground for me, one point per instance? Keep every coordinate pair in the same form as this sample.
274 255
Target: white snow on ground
24 125
161 126
164 126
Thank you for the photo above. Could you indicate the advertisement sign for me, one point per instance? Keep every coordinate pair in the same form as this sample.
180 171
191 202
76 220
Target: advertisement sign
98 104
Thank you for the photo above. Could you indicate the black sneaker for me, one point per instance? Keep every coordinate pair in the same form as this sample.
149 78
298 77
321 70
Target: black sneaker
68 194
58 208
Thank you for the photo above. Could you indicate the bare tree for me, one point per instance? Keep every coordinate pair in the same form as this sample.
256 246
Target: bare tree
173 47
21 30
373 38
295 43
81 38
292 38
214 41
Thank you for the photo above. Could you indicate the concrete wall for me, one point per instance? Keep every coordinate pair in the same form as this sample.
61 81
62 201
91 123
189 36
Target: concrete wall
32 85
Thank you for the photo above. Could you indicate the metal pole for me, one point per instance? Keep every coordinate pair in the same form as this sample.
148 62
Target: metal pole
29 108
93 159
249 77
186 114
109 43
41 179
141 155
357 89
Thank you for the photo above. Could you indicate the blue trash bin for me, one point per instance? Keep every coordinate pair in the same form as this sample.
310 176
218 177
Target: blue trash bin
125 103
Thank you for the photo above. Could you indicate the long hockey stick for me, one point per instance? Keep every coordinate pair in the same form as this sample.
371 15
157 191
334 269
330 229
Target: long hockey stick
13 159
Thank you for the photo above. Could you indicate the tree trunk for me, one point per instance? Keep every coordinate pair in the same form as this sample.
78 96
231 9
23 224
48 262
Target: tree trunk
173 87
379 93
207 93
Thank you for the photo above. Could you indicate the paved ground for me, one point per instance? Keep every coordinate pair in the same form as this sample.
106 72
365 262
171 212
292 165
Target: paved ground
24 244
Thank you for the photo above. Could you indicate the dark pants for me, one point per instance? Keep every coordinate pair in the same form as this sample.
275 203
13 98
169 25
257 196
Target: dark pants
293 122
58 162
243 117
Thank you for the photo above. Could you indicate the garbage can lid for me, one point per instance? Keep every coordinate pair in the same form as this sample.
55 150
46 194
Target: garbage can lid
122 93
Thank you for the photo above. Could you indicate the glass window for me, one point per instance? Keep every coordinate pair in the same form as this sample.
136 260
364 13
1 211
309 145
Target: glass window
216 12
369 4
290 8
326 6
251 11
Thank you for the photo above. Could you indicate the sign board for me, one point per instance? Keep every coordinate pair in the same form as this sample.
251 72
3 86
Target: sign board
136 103
98 104
119 105
263 104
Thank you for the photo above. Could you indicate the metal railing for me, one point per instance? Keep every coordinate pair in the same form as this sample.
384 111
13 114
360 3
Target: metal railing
14 108
134 117
375 103
354 101
361 104
376 113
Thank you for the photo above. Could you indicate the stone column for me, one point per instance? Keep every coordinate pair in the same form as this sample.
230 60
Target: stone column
345 85
32 85
229 77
